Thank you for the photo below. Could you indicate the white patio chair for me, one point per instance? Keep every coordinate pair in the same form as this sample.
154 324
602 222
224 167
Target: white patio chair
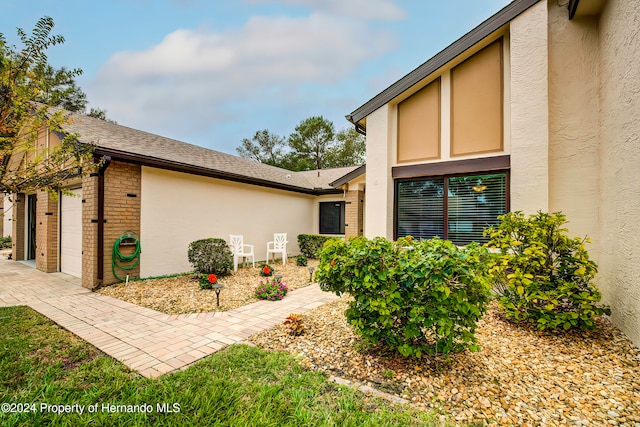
240 250
278 246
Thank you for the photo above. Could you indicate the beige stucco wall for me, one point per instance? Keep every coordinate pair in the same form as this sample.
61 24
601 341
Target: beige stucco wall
573 121
529 110
381 142
178 208
619 276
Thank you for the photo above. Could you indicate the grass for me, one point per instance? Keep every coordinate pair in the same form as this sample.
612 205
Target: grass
239 386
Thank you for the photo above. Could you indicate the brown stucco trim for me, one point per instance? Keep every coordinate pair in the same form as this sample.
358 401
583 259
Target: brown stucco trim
452 167
479 33
197 170
419 134
452 145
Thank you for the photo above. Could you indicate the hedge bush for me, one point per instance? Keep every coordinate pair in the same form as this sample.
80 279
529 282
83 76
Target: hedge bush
414 297
542 275
210 256
311 244
5 242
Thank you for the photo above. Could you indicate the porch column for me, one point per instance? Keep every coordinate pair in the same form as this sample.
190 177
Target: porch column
18 226
46 233
354 213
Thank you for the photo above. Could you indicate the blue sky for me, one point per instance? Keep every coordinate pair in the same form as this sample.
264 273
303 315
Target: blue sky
212 72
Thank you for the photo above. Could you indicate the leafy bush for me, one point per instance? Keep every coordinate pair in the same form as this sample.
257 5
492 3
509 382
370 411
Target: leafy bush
5 242
542 275
207 281
311 244
415 297
210 256
301 261
294 323
266 270
271 290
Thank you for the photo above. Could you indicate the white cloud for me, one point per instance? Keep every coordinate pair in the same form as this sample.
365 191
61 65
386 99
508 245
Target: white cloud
385 10
194 78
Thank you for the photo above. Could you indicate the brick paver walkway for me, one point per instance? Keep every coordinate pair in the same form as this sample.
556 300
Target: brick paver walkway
145 340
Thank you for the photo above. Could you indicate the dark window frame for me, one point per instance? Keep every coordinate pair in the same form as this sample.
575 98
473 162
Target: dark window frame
341 218
445 208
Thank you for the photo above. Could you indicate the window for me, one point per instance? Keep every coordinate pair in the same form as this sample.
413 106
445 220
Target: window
332 218
472 203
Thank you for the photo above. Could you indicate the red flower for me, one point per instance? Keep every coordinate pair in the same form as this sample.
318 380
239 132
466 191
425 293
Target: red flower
333 263
212 278
266 270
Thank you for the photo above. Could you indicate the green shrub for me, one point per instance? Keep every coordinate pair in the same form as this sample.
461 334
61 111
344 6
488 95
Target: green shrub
210 256
311 244
5 242
301 261
414 297
542 275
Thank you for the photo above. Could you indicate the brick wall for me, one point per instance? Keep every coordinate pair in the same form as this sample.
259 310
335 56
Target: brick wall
90 231
18 224
46 233
354 213
121 213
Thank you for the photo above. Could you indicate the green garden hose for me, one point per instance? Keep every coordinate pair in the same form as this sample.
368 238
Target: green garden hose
117 258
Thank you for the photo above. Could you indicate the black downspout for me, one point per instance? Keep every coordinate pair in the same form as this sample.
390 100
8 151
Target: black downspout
106 160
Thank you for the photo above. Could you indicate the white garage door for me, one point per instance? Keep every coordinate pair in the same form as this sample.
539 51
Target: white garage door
71 234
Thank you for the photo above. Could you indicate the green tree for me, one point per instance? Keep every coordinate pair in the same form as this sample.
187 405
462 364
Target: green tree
264 147
25 112
349 149
311 141
59 89
99 113
313 145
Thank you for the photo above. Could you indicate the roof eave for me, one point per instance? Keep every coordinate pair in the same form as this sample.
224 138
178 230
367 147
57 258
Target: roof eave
198 170
486 28
348 177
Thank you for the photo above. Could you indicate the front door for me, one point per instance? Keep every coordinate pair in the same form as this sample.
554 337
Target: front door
31 227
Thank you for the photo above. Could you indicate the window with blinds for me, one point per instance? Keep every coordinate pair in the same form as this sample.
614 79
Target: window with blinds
419 208
472 203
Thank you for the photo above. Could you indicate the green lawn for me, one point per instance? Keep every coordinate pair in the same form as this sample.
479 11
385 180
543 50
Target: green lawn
43 364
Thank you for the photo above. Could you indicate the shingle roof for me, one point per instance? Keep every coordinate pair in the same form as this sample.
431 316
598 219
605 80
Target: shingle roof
146 148
324 177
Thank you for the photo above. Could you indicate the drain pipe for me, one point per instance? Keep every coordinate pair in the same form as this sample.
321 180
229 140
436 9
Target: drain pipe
106 161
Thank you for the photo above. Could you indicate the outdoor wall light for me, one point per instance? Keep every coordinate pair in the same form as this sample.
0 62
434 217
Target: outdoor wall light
311 274
217 287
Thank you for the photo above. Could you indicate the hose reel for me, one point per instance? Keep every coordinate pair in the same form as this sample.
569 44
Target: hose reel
118 258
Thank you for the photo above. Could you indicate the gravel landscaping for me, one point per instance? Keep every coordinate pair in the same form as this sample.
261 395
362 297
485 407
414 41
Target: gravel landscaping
182 294
520 377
